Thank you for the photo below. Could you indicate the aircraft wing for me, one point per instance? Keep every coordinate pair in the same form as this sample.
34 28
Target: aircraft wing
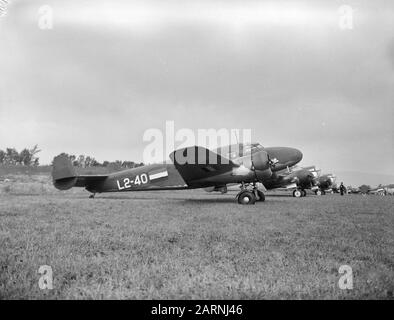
197 163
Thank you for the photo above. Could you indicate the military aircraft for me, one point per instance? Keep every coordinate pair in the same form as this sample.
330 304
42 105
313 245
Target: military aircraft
297 179
324 183
381 191
300 179
353 190
282 176
389 190
191 168
293 178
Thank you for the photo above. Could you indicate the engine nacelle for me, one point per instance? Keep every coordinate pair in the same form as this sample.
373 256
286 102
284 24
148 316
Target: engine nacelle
259 162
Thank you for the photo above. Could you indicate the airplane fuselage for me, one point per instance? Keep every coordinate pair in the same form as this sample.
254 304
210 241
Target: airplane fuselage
256 164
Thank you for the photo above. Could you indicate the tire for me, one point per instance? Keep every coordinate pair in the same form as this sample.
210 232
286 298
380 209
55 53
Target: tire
297 193
303 193
323 192
318 192
260 196
246 197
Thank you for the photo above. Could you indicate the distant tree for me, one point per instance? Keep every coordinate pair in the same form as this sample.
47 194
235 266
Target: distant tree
81 161
91 162
115 165
88 160
34 159
128 164
72 158
95 163
2 156
25 157
12 156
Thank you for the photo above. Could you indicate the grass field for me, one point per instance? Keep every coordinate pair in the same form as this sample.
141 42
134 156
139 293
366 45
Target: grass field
191 245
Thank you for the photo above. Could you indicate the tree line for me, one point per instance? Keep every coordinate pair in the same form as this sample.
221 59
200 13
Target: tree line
85 161
26 157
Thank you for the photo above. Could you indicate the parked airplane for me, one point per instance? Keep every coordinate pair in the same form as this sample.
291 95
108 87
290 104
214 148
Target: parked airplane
325 183
296 179
289 178
389 190
354 190
192 168
380 190
293 178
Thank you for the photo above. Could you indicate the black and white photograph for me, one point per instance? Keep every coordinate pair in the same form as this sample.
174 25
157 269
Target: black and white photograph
215 151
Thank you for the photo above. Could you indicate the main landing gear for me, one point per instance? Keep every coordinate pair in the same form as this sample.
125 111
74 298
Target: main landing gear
299 193
247 196
92 195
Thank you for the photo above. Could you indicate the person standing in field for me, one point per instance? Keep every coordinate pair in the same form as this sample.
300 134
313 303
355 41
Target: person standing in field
342 189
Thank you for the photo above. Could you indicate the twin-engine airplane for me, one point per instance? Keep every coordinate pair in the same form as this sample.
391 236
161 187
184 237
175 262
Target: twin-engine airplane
325 183
296 179
301 179
193 167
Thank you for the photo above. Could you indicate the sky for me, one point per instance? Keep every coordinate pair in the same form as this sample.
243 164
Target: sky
104 72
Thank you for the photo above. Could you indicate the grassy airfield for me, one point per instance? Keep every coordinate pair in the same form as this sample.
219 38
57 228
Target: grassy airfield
191 244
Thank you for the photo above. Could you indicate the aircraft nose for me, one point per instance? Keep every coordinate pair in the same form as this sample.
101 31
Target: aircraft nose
284 156
297 155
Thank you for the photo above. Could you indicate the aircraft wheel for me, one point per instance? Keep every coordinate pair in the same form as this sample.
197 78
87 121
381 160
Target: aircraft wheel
303 193
297 193
318 192
259 196
246 197
323 192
